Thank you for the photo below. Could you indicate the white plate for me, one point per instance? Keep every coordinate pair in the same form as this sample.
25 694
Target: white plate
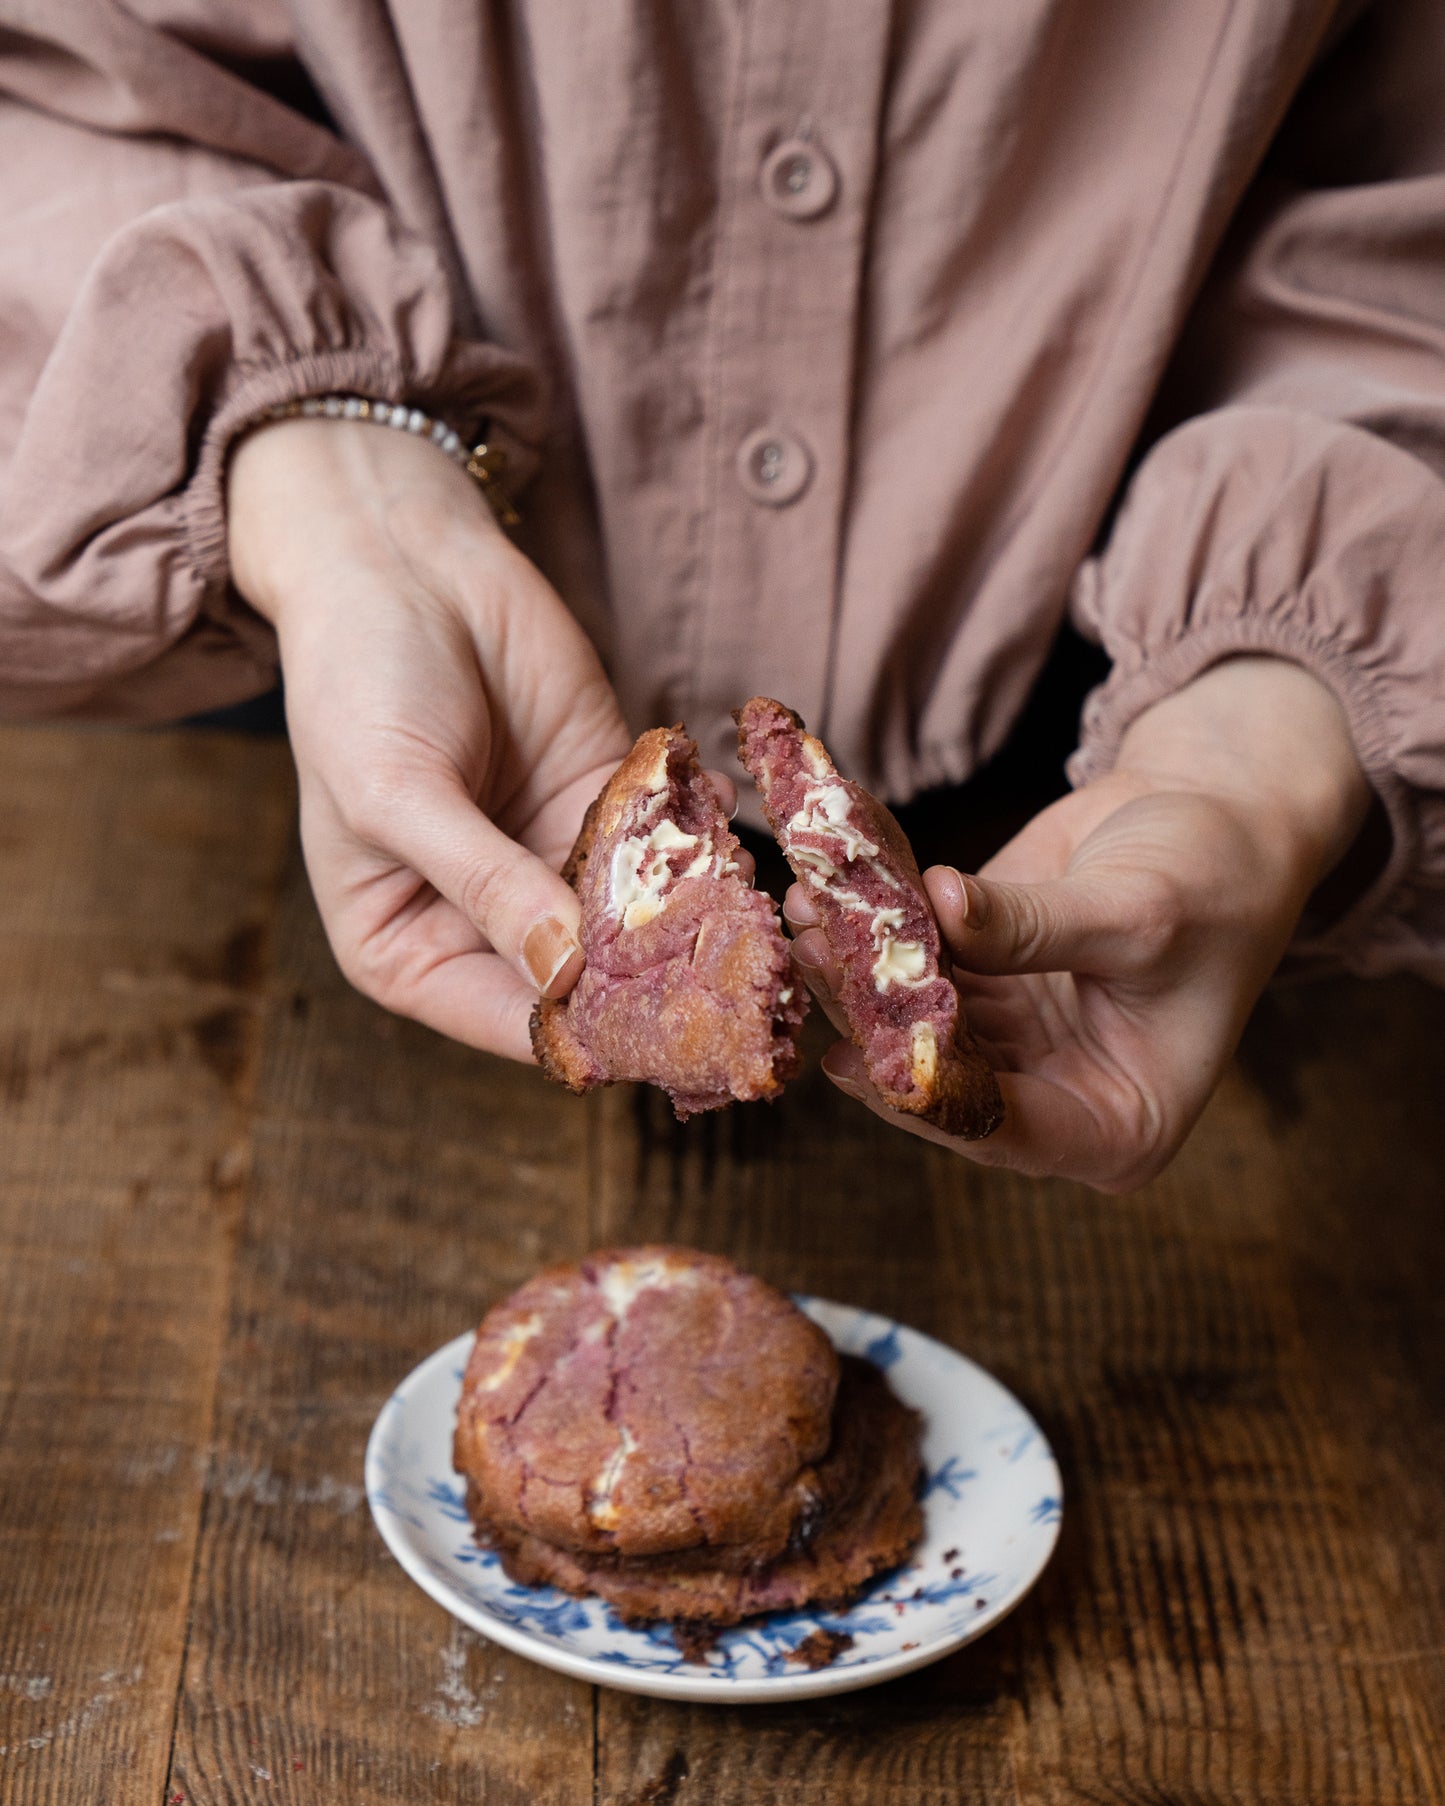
992 1505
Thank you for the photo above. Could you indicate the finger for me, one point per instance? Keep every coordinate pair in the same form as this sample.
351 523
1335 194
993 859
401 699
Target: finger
1080 923
747 866
411 951
814 960
514 899
725 790
799 909
1047 1131
1003 1035
474 998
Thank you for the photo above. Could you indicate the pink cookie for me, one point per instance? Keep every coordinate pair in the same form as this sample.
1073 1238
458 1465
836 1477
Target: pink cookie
859 869
688 983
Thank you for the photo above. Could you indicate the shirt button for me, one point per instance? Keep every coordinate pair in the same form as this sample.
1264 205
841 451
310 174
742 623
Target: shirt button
799 179
774 468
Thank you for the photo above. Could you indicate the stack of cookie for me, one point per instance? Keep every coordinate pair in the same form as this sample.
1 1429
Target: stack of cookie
656 1427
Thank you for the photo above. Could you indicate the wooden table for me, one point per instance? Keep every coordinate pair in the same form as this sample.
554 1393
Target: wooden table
237 1203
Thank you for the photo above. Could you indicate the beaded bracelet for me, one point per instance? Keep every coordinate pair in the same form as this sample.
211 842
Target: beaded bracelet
482 462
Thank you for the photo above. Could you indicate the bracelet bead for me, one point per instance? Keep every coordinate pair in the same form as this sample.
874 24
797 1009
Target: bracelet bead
482 462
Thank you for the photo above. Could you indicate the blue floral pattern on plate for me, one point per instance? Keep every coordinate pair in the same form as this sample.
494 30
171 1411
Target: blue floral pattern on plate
992 1502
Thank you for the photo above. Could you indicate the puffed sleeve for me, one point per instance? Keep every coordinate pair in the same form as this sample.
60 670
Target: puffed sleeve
1299 506
160 288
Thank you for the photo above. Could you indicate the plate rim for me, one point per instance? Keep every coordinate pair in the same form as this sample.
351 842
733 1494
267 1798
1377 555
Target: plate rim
703 1687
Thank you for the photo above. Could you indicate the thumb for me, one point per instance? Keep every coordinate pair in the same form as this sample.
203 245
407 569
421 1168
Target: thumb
528 913
1073 924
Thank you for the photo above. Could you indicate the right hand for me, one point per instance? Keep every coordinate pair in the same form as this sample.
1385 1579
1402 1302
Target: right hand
450 721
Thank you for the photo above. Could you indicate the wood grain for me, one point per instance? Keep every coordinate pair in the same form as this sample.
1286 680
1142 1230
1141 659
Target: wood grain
237 1203
399 1186
136 881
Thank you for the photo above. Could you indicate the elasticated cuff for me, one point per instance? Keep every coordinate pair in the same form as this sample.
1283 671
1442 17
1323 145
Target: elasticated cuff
1161 671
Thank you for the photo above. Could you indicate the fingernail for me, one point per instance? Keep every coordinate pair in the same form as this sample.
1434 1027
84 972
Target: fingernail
547 948
975 901
849 1089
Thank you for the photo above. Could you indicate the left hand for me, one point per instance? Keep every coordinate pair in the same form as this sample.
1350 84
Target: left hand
1109 956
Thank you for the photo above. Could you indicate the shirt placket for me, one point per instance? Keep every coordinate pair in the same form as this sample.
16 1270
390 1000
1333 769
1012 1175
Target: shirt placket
798 176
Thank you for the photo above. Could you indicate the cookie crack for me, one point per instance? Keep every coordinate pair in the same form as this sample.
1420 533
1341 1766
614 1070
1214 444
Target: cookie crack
683 1486
512 1420
598 1493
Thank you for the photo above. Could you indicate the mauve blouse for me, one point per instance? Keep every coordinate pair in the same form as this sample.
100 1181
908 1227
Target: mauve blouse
840 347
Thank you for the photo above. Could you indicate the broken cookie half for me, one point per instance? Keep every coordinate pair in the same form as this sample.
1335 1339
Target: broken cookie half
689 982
855 860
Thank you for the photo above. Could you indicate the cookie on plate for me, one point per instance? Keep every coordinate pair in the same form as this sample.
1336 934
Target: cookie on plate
647 1401
865 1519
660 1429
689 983
855 860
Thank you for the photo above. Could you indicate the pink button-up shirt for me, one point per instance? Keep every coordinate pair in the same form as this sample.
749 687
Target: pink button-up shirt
841 346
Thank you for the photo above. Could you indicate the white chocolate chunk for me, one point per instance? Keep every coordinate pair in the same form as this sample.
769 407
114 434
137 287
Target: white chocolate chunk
600 1507
924 1053
514 1340
657 777
849 899
899 962
825 810
620 1282
816 859
818 761
895 962
640 872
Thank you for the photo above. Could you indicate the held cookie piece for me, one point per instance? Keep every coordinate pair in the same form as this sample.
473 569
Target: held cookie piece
845 846
648 1401
688 983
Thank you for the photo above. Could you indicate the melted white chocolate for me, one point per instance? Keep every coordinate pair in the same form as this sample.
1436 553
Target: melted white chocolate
657 778
514 1340
620 1282
821 866
924 1054
899 962
818 761
641 874
825 810
600 1507
895 961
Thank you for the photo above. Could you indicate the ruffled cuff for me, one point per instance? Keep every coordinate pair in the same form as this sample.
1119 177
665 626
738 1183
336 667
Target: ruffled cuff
1258 530
195 320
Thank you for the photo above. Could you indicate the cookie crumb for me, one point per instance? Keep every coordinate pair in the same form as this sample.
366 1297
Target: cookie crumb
820 1647
950 1554
695 1640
